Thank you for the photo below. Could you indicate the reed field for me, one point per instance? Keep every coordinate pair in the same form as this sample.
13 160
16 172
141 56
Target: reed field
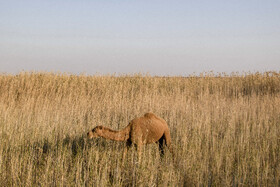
225 129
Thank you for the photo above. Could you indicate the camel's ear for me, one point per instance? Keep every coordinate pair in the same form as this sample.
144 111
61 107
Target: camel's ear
99 128
96 129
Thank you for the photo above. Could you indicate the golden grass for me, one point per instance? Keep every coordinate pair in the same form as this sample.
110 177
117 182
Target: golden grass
225 129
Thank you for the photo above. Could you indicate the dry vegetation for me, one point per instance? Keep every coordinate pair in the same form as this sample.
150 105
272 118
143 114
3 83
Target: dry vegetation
225 130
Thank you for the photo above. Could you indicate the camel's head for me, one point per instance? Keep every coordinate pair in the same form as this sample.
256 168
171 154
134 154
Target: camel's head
94 133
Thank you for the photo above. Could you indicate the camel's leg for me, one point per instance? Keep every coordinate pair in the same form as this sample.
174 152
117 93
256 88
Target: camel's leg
139 151
161 143
167 139
127 146
124 153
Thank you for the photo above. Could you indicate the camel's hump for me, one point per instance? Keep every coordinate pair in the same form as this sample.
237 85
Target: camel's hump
149 115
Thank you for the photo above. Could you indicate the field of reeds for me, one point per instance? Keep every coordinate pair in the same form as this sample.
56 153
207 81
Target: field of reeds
225 129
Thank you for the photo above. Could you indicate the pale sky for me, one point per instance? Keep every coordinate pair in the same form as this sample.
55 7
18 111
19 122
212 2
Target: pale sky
148 36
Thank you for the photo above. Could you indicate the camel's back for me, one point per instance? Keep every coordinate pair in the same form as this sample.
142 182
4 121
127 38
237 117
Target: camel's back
149 128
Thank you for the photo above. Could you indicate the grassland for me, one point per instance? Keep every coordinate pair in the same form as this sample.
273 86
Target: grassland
225 130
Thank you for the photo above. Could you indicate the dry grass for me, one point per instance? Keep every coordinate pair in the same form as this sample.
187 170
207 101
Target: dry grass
225 130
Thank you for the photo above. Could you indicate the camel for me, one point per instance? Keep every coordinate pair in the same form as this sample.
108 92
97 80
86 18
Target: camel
140 131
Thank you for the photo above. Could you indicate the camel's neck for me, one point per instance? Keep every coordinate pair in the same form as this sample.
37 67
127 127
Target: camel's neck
108 133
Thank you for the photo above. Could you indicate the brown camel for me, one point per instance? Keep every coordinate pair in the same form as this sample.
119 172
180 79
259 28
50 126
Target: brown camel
143 130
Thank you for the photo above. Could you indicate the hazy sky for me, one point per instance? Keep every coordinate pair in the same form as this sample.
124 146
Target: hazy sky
128 36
